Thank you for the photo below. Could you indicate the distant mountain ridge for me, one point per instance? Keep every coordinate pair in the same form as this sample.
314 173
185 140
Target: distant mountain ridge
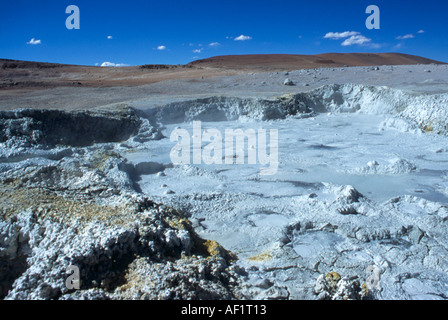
293 61
280 61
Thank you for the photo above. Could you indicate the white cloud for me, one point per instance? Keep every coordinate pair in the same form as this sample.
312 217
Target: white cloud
243 38
110 37
421 31
197 50
406 36
358 39
397 46
375 45
351 38
112 64
161 48
34 42
214 44
341 35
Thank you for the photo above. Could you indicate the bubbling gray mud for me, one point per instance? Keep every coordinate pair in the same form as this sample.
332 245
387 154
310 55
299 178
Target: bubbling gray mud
362 185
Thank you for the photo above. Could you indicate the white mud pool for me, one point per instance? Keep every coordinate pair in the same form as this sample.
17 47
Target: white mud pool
356 208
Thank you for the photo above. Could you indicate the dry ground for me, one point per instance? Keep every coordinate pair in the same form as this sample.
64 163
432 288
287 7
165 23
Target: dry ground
48 85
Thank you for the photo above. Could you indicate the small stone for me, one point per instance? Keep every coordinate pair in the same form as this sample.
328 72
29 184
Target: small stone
167 294
416 235
372 163
263 283
275 293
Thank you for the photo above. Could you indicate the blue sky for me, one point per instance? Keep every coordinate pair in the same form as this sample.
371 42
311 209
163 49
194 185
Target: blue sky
136 32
